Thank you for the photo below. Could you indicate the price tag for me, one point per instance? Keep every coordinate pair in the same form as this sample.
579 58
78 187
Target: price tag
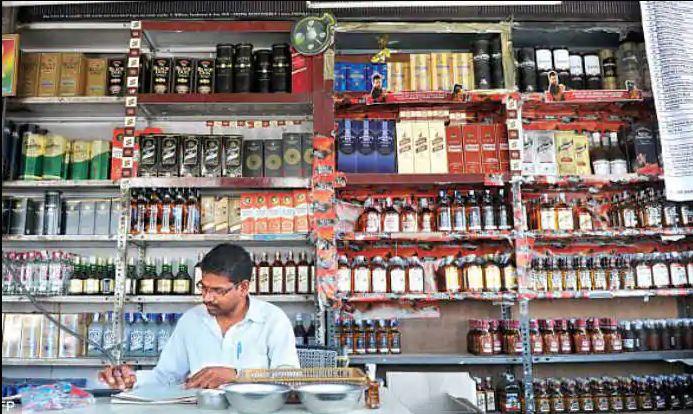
131 101
512 124
136 25
134 62
511 104
514 145
133 81
130 121
128 162
135 43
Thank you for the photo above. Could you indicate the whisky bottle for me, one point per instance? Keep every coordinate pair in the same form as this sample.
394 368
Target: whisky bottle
153 212
450 275
166 213
492 274
473 212
369 220
390 217
554 275
443 212
504 219
509 272
583 216
613 274
488 212
660 271
164 284
617 159
599 273
263 276
290 274
179 212
473 271
192 219
564 214
584 273
182 283
626 271
415 275
147 281
379 280
409 218
598 154
540 275
397 275
92 284
459 213
304 276
252 284
344 277
677 270
568 265
362 275
628 212
427 218
671 218
547 214
277 275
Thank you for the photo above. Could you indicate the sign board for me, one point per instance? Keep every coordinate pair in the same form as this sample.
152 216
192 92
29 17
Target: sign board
10 56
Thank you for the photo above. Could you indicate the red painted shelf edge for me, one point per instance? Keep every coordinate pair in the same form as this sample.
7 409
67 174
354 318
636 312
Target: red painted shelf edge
172 98
361 179
217 26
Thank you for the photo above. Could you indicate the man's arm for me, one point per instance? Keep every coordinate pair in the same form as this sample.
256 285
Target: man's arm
282 344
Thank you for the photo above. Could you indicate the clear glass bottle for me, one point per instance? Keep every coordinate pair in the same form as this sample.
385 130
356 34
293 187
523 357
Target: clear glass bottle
443 212
362 275
427 217
344 277
415 275
397 275
599 279
459 213
570 277
390 217
369 220
505 221
409 218
564 214
473 212
488 212
585 273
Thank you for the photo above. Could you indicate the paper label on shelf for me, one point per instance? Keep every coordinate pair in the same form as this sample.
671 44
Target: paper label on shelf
669 44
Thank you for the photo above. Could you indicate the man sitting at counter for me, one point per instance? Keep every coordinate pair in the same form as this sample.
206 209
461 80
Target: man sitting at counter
230 331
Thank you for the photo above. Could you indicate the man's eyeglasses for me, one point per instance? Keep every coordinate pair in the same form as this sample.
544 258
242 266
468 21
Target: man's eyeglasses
214 291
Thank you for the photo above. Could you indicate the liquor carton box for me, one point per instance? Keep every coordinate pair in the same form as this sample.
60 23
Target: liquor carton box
528 165
125 156
31 336
274 213
395 77
545 153
301 78
307 158
29 64
12 335
365 149
340 76
437 143
247 213
287 212
582 155
357 73
565 153
39 213
233 155
489 149
50 337
273 158
115 77
71 220
149 154
453 137
471 144
102 216
420 71
235 219
183 74
346 144
301 212
503 147
100 154
441 79
462 69
70 346
169 156
207 204
49 74
644 146
261 205
221 214
116 211
190 156
382 132
161 75
405 144
204 76
252 158
422 149
96 77
211 156
292 155
87 210
73 71
379 70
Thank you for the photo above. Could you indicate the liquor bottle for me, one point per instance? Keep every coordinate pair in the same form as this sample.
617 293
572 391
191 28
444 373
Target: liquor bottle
192 219
134 218
131 277
628 212
450 275
361 275
369 220
584 273
371 338
654 212
617 159
141 212
554 275
303 275
473 274
504 217
344 276
564 214
311 340
677 270
547 214
179 212
359 338
147 282
263 276
626 272
395 337
290 274
599 281
379 280
493 279
427 218
92 285
660 271
166 213
643 272
570 276
197 275
164 283
443 212
252 284
153 212
583 216
299 330
277 275
182 284
409 218
459 213
108 278
76 283
473 212
488 214
397 275
670 210
600 162
613 274
415 275
390 217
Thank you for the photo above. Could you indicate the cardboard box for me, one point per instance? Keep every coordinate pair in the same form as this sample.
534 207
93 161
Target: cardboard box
301 224
190 156
102 217
211 156
420 70
71 221
116 211
382 132
489 149
49 74
503 148
261 205
405 144
437 143
274 213
373 70
149 154
441 79
29 69
87 211
287 212
357 74
115 77
233 156
307 151
301 77
39 213
471 144
73 74
70 346
169 156
340 76
207 204
565 153
183 75
273 158
346 144
422 150
365 148
235 220
253 158
292 155
96 77
247 213
221 215
453 136
161 75
583 166
528 165
462 69
395 77
204 75
545 153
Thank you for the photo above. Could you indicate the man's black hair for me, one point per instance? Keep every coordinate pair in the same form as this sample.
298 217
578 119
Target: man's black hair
377 76
228 260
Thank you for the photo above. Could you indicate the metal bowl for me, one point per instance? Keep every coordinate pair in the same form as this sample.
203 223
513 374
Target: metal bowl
256 398
212 400
330 398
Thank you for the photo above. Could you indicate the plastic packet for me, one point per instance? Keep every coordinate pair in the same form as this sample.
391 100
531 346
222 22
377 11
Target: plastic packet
57 396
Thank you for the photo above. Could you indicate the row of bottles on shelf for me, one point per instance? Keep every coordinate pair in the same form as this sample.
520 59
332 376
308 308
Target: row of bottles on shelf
393 274
613 394
361 337
145 335
304 336
647 209
579 336
170 210
473 212
612 271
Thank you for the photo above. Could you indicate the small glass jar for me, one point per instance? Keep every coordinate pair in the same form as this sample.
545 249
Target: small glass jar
613 343
550 338
535 338
581 339
512 340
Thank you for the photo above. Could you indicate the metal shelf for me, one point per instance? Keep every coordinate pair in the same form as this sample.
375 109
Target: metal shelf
607 294
198 299
434 359
221 182
610 234
74 362
66 107
187 239
209 106
412 180
585 181
426 237
669 356
60 184
72 238
431 296
59 299
85 37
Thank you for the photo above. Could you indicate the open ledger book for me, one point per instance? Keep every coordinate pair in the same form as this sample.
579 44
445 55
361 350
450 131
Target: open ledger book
156 394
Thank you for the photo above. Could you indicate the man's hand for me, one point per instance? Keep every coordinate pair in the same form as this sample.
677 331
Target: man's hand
118 376
211 377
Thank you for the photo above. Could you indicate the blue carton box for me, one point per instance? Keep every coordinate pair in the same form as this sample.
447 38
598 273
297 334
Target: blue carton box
365 148
346 146
340 77
376 69
383 133
356 77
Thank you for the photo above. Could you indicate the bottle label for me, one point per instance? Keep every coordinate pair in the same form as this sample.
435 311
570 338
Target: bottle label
398 281
382 343
653 216
178 219
630 219
391 223
459 220
360 343
570 280
565 345
556 281
631 403
561 59
452 279
146 286
379 280
395 345
583 345
678 274
671 216
601 167
600 279
161 338
277 279
372 223
95 334
416 279
598 344
592 65
574 406
628 344
585 279
481 400
409 223
361 276
475 219
344 279
565 219
148 342
576 65
444 223
371 343
544 59
290 275
76 286
164 286
618 167
603 404
616 344
540 281
475 278
165 219
304 279
263 279
552 346
91 286
614 279
181 286
300 340
426 220
548 219
587 404
136 341
489 218
493 277
689 271
585 221
660 275
490 401
543 405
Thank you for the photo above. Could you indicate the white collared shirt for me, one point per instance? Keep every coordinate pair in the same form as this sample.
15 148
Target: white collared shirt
263 339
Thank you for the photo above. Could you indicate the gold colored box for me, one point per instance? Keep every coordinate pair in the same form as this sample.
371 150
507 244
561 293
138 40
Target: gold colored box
49 74
96 77
73 68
